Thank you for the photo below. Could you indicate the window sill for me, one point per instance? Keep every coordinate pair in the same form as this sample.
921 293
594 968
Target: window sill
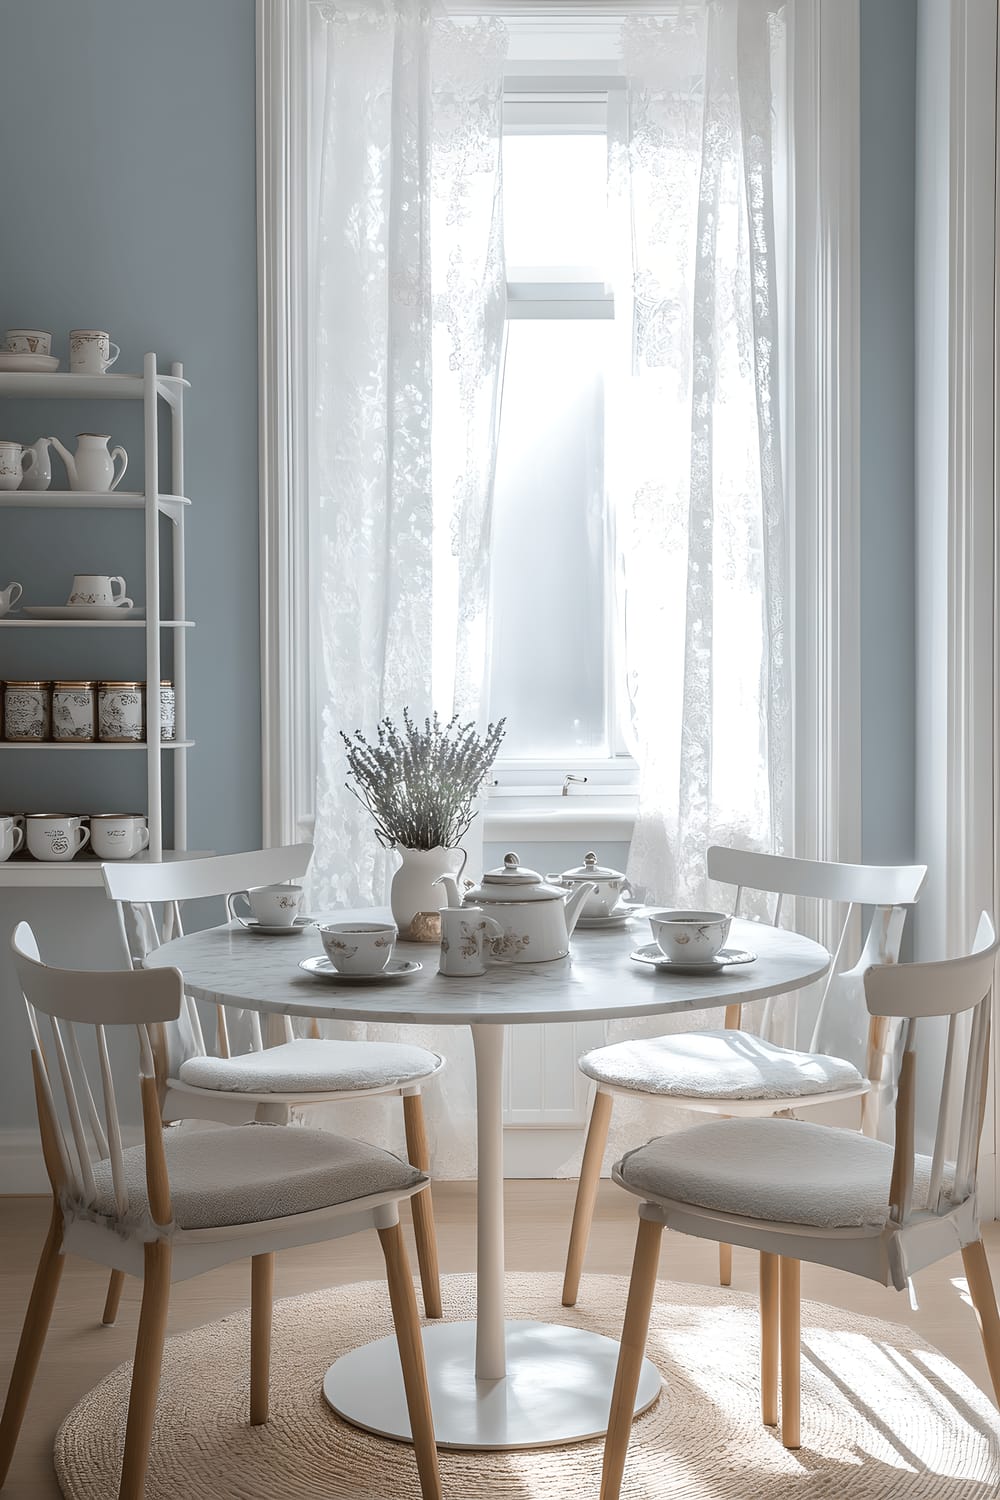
559 819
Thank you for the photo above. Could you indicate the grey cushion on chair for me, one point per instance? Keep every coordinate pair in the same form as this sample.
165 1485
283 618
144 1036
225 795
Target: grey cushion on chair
718 1065
312 1067
243 1174
782 1171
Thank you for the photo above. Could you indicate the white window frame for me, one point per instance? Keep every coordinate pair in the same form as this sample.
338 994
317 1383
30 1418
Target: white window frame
822 409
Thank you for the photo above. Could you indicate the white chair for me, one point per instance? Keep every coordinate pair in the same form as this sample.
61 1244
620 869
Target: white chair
265 1083
735 1072
185 1201
797 1191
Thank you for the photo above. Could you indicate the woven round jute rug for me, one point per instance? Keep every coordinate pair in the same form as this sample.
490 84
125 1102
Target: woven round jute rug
884 1415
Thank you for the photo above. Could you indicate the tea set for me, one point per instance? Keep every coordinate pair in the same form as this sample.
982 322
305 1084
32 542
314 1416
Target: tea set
94 596
61 836
90 469
514 916
30 349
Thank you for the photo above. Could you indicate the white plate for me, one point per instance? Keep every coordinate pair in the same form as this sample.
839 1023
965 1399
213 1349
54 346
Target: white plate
650 954
263 930
84 611
18 363
322 968
622 913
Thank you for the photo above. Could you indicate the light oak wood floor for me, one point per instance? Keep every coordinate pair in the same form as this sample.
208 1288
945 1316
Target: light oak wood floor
79 1351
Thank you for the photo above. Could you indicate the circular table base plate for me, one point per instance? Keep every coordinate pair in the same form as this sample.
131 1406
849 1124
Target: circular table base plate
557 1388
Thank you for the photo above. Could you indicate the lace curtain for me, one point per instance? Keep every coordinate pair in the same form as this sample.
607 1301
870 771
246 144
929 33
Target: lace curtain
696 475
407 303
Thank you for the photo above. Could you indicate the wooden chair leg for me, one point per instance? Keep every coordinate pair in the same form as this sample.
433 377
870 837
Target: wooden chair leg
977 1271
421 1205
725 1265
790 1322
586 1195
769 1338
642 1287
29 1350
261 1299
146 1369
411 1357
115 1283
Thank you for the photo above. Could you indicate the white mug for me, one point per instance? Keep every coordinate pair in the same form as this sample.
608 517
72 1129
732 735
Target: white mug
98 588
27 341
90 351
465 933
272 905
11 837
359 947
15 462
118 835
54 836
9 597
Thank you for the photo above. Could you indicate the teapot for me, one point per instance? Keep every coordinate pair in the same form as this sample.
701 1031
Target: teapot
536 919
608 885
93 467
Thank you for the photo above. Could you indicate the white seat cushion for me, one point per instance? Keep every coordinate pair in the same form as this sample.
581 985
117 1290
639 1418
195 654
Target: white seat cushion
312 1067
718 1065
785 1171
246 1174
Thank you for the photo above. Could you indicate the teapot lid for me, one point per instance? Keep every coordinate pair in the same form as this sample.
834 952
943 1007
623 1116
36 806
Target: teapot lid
513 881
591 870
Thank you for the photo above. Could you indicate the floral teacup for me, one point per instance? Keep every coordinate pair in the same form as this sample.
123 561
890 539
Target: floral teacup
358 947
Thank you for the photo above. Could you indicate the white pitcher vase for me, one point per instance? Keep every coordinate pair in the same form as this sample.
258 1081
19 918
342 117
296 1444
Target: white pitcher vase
413 889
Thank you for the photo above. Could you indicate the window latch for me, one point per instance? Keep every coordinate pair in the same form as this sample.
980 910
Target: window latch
571 777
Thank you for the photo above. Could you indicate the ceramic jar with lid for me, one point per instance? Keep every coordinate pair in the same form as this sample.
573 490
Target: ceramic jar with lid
27 710
120 712
74 711
609 885
168 710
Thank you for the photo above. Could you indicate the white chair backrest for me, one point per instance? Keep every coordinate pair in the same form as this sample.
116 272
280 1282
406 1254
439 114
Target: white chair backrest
961 989
889 889
141 886
58 1001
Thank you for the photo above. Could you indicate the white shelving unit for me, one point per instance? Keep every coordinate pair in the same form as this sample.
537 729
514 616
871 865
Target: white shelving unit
151 387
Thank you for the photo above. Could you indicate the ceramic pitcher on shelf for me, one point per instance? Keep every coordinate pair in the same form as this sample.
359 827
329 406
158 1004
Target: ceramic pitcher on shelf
92 467
38 476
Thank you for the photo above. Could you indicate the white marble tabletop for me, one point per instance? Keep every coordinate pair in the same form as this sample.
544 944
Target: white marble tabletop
231 966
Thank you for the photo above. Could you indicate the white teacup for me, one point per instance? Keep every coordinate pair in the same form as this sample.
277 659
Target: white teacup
9 597
98 588
11 837
359 947
90 351
271 905
118 835
27 341
690 937
14 461
54 836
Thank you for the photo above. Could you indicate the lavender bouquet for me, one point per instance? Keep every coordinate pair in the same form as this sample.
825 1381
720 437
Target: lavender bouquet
420 783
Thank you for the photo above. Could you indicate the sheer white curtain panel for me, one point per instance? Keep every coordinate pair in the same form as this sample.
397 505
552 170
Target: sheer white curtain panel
407 303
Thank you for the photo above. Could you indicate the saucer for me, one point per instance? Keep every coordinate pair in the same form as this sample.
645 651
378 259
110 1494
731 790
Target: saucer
263 929
650 954
18 363
85 611
617 918
322 968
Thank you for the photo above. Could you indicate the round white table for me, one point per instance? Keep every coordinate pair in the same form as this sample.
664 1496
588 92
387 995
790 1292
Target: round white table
495 1383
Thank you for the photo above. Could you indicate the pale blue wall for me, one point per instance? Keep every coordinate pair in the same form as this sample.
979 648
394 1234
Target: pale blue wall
888 508
127 144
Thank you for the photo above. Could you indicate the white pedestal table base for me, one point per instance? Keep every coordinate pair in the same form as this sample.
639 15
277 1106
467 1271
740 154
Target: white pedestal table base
557 1388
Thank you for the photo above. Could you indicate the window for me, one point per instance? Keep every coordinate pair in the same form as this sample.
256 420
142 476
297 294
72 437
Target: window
552 576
